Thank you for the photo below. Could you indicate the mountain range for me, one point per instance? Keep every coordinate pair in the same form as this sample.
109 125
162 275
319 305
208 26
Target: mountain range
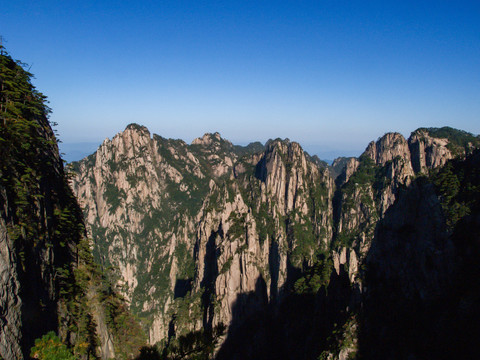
211 233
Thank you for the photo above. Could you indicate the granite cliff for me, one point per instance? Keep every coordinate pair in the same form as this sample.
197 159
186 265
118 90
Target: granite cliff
210 233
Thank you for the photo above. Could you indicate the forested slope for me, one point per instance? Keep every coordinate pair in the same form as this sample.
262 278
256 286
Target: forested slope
48 278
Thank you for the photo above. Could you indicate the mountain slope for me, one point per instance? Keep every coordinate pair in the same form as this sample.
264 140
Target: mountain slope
206 234
150 190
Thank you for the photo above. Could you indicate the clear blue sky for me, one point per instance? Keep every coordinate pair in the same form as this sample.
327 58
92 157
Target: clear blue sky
331 74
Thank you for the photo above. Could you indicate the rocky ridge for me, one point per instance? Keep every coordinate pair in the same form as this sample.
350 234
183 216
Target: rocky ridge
192 227
133 189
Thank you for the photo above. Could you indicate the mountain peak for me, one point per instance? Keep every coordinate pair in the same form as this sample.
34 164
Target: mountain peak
208 139
387 147
271 142
137 127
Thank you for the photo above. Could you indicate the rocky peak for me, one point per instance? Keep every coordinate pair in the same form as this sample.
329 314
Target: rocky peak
317 161
208 139
260 218
276 142
131 142
138 128
282 156
252 148
343 169
387 148
433 147
289 150
429 151
218 153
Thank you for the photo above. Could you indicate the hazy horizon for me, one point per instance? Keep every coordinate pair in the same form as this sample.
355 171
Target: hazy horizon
331 75
77 151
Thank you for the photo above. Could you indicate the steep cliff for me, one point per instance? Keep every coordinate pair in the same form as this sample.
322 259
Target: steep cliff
370 185
264 238
158 204
48 280
267 224
40 223
394 240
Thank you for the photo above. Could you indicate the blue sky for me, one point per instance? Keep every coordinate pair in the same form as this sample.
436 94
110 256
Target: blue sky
332 75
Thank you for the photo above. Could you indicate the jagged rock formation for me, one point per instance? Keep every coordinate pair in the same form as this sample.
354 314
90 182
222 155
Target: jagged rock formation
133 190
198 188
372 184
269 223
210 233
375 256
392 239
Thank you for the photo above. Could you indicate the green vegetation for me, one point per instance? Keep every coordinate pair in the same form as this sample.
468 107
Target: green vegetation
127 334
365 173
304 239
238 225
185 309
191 200
318 195
362 192
342 338
185 261
28 147
250 189
114 197
315 277
135 126
213 201
50 347
265 223
252 148
459 140
88 288
346 238
46 227
458 184
226 266
195 345
41 211
132 180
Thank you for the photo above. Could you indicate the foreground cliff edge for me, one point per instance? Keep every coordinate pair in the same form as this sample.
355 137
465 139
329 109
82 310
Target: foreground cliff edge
297 259
48 279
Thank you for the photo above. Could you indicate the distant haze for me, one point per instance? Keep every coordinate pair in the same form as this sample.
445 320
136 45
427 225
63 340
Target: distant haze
331 75
77 151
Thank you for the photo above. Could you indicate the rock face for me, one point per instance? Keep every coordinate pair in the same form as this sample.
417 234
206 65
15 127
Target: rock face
134 189
268 223
214 205
10 347
210 233
40 222
370 185
47 278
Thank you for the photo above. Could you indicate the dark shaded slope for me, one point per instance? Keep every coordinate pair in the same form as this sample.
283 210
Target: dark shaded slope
41 221
422 270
